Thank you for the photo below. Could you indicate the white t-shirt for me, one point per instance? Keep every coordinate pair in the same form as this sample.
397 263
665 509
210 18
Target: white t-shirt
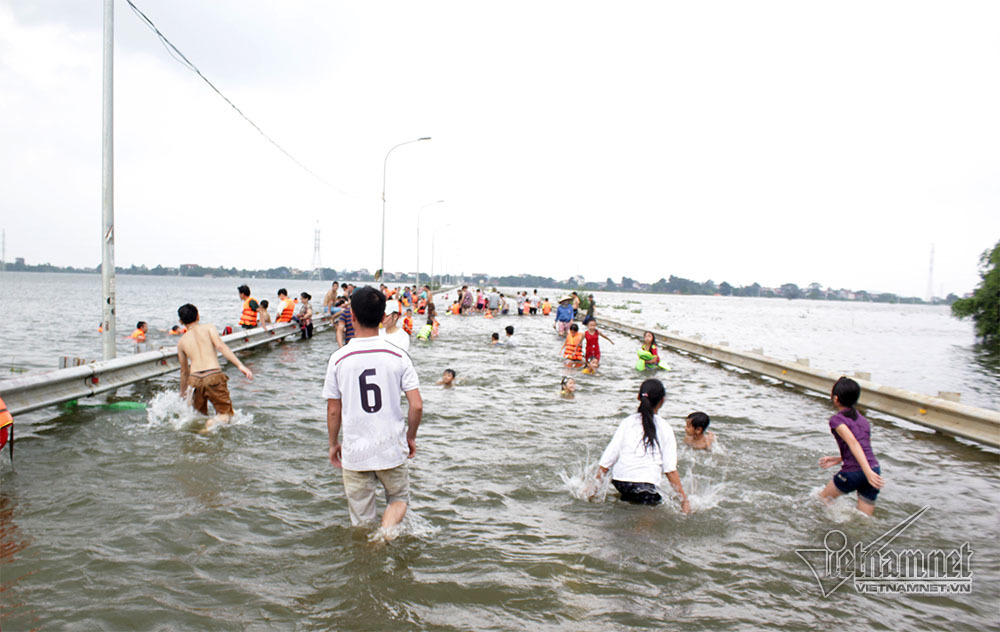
369 376
628 458
399 338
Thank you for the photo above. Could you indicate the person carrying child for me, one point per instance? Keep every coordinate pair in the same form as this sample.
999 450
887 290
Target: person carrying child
859 469
642 450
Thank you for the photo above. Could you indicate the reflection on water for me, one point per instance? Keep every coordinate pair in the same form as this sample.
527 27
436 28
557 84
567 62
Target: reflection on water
133 519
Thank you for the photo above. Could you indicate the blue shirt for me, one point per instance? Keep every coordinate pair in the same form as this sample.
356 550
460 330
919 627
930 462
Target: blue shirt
345 317
564 313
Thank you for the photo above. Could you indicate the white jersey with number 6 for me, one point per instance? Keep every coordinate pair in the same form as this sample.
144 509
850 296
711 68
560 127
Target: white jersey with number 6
369 376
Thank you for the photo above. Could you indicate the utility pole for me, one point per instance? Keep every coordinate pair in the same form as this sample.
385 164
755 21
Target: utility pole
108 188
930 278
317 272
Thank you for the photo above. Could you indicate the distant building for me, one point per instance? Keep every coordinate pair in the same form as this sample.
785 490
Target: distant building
19 261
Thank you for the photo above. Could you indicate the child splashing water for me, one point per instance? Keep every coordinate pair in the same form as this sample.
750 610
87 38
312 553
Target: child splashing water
642 450
696 432
859 470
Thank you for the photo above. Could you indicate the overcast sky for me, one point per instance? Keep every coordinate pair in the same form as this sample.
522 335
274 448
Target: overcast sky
735 141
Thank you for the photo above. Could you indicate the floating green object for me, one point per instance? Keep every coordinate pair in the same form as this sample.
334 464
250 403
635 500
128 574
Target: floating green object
124 406
646 356
110 406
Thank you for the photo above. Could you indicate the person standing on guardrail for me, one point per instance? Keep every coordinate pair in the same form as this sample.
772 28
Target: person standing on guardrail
248 318
200 370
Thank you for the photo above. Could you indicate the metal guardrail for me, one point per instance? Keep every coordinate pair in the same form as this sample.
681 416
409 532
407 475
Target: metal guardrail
948 417
31 392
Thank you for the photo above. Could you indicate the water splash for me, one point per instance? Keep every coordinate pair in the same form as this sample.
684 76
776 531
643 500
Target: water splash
702 490
581 481
840 510
413 525
170 409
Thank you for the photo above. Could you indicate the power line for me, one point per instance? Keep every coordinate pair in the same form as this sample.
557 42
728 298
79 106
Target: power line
174 52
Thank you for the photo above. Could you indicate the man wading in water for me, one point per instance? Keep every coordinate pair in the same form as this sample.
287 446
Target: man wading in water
364 383
200 367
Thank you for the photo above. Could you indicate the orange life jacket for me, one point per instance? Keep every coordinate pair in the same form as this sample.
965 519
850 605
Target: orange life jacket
139 335
546 308
6 428
456 308
6 418
287 311
573 350
422 306
408 325
488 314
249 316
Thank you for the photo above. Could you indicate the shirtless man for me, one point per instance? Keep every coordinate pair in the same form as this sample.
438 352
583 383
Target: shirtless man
200 368
329 299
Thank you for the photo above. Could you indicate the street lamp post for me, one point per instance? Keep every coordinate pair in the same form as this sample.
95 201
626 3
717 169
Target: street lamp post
419 213
385 164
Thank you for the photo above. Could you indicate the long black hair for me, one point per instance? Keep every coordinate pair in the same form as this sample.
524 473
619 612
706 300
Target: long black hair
847 392
651 393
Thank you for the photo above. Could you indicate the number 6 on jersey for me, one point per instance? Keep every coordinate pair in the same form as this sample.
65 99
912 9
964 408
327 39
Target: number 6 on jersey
366 388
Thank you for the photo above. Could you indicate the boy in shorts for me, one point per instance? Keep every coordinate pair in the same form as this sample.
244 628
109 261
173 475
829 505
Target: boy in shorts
364 384
200 368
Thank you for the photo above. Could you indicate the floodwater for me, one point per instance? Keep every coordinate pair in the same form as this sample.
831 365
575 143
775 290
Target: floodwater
131 519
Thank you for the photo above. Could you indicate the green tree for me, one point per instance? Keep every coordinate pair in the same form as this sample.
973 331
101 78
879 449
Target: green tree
790 290
984 304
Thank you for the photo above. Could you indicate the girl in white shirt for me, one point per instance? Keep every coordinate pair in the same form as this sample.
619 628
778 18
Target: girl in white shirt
642 450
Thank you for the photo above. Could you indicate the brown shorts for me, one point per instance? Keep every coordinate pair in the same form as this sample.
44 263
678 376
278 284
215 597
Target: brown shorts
211 388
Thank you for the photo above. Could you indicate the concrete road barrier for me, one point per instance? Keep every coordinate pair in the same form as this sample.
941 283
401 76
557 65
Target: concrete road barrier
31 392
939 413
